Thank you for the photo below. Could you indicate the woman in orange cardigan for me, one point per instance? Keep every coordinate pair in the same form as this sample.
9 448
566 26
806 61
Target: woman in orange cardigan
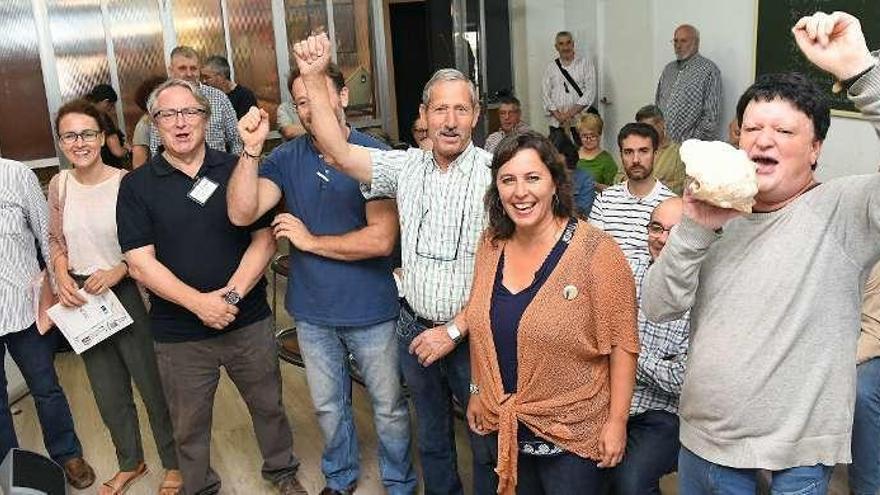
552 325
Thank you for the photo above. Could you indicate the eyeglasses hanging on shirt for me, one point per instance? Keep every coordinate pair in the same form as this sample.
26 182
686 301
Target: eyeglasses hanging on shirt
440 242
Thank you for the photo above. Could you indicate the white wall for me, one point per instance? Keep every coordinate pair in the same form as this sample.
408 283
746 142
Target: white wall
533 24
727 30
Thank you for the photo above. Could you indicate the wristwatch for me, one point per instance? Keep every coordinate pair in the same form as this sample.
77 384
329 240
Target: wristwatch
454 332
232 297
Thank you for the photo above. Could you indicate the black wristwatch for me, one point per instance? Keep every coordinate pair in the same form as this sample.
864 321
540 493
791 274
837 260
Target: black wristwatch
232 297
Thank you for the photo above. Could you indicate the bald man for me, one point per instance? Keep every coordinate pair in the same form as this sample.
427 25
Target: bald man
652 430
689 90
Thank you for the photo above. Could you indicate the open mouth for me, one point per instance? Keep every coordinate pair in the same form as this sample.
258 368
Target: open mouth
524 208
765 163
181 136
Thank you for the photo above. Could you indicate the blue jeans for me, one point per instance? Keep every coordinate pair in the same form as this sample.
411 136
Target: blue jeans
561 474
35 356
651 452
864 474
325 352
697 476
431 390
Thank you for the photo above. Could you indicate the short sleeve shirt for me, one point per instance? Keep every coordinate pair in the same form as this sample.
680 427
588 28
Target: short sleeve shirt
441 220
320 290
197 243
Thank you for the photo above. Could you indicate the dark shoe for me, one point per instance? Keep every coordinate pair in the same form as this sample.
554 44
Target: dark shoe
290 486
79 474
329 491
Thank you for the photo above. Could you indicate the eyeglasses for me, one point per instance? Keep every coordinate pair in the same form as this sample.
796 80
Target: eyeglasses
88 136
657 228
170 114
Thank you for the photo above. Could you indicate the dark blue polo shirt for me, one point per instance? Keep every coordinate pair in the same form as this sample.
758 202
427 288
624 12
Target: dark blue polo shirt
320 290
197 243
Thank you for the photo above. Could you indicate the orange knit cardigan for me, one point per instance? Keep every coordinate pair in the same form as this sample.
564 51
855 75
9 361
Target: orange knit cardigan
563 347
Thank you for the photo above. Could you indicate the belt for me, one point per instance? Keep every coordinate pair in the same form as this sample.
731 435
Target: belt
421 321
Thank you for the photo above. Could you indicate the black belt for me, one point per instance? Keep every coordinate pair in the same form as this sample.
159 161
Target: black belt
421 321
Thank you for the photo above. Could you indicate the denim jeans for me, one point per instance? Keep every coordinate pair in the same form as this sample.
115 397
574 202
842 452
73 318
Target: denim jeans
651 452
561 474
325 352
431 390
35 356
697 476
864 474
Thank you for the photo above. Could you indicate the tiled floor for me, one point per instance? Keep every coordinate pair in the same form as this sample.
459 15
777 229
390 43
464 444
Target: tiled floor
235 455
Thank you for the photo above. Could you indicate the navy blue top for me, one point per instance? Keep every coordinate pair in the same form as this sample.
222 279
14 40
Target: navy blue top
196 242
320 290
506 309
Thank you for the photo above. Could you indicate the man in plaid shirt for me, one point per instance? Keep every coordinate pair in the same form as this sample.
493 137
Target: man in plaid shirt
221 133
652 430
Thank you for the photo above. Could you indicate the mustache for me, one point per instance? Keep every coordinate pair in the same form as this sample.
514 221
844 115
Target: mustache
450 132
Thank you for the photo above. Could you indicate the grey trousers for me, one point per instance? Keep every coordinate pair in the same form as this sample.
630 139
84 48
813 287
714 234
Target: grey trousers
190 373
111 366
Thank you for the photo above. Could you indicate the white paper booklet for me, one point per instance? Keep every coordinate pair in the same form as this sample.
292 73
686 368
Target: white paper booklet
100 317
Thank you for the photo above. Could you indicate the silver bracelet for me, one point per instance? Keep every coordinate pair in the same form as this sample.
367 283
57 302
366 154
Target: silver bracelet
475 390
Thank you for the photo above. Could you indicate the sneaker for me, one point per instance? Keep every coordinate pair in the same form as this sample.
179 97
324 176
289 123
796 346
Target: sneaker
290 486
79 474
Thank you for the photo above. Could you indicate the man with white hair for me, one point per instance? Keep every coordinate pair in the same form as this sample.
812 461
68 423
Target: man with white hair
689 90
440 202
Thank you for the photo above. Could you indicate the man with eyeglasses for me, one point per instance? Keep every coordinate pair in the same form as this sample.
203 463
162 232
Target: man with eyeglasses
652 429
207 290
689 90
624 210
221 132
440 202
420 134
341 291
510 121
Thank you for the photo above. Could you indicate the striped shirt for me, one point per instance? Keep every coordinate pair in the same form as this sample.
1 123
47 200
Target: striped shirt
221 132
662 356
689 94
626 216
558 93
24 220
441 220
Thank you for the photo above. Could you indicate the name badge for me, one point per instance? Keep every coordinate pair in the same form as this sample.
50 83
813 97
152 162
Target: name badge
202 190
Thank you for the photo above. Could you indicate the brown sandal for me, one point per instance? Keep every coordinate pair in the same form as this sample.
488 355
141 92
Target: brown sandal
171 486
139 473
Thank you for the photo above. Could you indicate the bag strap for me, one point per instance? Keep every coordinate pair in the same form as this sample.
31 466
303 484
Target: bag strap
567 76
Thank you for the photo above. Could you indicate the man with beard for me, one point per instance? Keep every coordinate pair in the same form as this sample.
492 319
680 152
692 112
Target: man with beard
440 199
341 292
624 210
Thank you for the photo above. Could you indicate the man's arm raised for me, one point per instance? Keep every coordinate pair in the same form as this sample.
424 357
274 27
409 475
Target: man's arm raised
312 57
248 196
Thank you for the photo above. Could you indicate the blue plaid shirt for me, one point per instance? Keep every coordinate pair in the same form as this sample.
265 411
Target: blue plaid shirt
662 357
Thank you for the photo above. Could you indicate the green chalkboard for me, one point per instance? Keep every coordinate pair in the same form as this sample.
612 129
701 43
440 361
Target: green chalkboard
776 50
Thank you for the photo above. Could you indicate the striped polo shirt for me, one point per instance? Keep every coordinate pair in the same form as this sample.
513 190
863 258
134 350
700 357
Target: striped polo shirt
626 216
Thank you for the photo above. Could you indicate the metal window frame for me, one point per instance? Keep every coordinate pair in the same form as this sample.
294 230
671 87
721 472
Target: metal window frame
379 60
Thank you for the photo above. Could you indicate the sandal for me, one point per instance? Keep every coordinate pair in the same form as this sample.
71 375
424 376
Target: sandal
115 488
172 483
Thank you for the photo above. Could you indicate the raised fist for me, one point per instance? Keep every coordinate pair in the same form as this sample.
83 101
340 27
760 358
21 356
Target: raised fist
312 54
253 129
